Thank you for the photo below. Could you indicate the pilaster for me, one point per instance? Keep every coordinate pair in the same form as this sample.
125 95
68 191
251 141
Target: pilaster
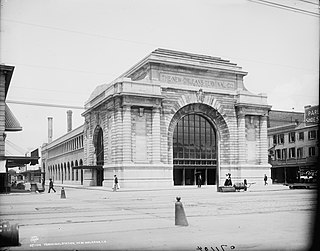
126 134
242 138
156 137
263 140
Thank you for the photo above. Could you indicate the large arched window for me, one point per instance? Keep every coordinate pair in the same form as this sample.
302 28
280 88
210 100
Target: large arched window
99 148
194 150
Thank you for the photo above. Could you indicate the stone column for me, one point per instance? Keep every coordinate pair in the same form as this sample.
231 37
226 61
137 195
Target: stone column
126 134
156 136
242 138
263 154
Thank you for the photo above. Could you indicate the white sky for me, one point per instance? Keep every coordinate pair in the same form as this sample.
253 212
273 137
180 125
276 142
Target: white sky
63 49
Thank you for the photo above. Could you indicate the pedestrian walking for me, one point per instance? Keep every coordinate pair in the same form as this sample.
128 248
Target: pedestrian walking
265 179
51 186
115 183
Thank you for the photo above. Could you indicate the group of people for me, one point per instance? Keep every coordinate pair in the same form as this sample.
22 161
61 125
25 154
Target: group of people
228 181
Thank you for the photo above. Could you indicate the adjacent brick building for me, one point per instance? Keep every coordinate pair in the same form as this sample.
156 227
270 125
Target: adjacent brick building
171 117
294 150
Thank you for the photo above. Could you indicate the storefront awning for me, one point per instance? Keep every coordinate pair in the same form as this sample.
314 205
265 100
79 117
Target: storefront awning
88 167
12 124
16 161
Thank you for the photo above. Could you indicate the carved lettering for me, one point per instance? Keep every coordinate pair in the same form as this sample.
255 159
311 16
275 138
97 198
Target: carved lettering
199 82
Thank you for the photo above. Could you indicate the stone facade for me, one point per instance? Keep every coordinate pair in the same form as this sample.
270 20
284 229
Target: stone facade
139 111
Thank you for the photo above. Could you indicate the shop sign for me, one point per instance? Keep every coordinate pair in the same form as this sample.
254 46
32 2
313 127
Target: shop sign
312 115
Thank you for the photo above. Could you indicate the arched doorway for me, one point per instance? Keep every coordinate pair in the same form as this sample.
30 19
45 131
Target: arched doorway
98 142
194 150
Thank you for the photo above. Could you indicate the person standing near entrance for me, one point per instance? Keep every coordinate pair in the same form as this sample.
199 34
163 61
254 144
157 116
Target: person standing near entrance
51 186
265 179
199 180
115 183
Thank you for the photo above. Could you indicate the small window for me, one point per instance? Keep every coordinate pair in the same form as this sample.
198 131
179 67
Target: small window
312 151
274 139
292 152
301 135
311 134
281 138
292 137
278 154
300 153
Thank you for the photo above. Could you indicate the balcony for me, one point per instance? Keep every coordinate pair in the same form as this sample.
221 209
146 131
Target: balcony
289 162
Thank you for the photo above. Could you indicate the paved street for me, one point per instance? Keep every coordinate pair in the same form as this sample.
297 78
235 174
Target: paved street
270 218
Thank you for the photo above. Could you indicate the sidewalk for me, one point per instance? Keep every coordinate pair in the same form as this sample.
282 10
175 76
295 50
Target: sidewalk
252 188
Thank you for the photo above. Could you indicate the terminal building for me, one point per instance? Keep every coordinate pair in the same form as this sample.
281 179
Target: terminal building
169 118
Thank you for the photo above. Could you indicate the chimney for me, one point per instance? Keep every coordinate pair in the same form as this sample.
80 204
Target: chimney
50 130
69 120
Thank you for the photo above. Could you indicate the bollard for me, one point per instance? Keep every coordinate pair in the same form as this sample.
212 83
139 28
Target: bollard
180 216
9 235
63 193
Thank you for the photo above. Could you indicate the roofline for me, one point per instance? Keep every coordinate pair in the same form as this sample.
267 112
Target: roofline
183 55
7 70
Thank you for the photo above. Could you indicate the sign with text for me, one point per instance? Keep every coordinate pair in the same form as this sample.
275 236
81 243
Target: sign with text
195 81
312 115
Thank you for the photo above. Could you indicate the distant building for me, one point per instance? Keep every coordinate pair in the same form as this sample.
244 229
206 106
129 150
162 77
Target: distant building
280 118
294 149
169 118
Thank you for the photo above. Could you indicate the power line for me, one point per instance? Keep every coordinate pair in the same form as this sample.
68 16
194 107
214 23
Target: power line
44 104
304 1
47 90
77 32
285 7
58 68
137 42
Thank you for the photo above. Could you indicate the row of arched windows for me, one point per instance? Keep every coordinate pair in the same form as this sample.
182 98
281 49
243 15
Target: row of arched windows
70 145
66 171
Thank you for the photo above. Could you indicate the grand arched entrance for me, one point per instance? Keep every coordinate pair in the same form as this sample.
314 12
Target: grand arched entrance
194 151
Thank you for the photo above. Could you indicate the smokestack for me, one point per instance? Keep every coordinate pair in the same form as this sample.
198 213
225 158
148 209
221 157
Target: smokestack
50 130
69 120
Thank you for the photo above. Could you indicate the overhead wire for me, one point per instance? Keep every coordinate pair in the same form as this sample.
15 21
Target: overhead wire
44 104
77 32
113 38
304 1
286 7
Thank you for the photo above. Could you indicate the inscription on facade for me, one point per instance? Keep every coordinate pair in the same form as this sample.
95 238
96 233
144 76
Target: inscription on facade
199 82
